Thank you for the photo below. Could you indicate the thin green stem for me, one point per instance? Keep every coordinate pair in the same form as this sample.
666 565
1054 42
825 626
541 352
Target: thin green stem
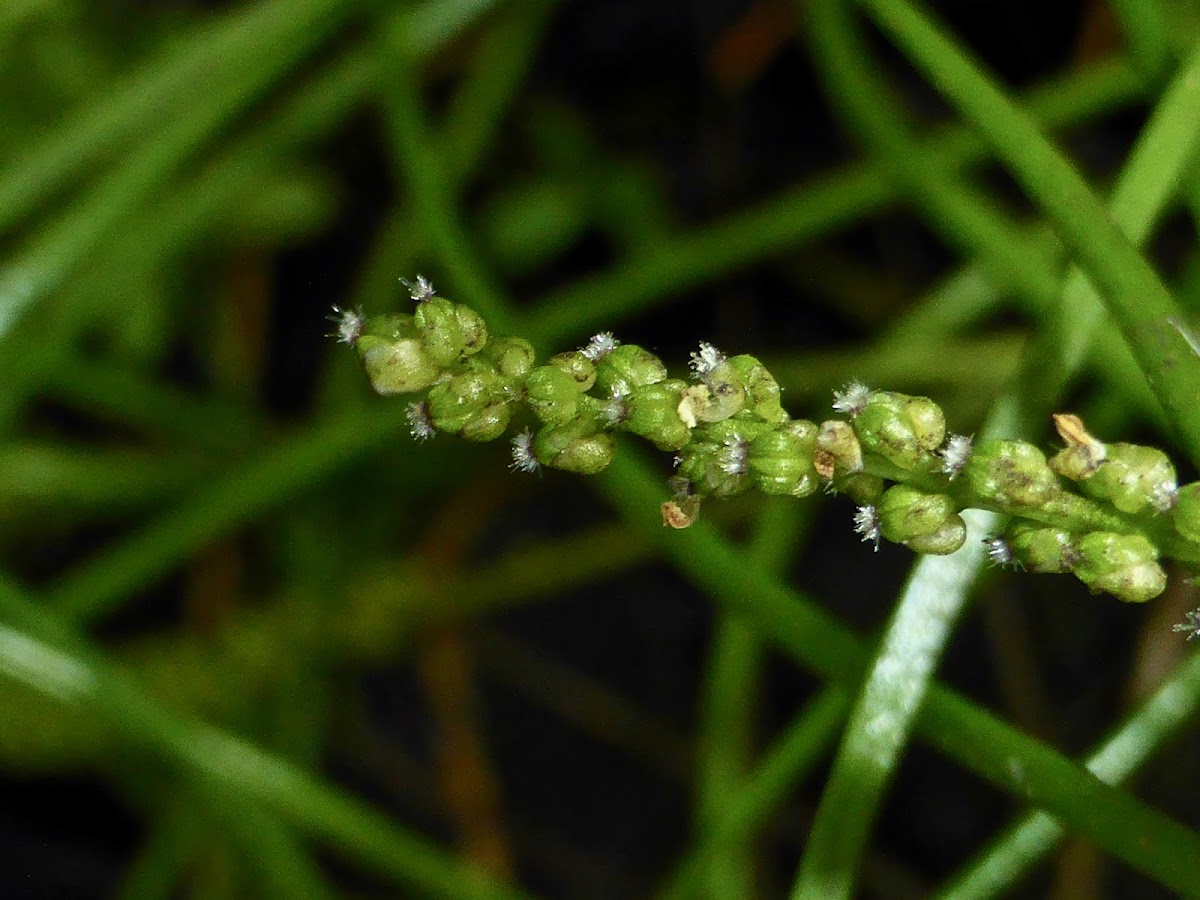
839 199
382 614
795 754
262 51
727 721
216 63
998 868
931 603
284 869
1145 838
167 227
884 713
248 490
434 202
1147 30
965 218
154 872
43 655
1132 291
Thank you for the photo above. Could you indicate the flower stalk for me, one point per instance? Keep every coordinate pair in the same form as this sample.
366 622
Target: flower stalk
1106 513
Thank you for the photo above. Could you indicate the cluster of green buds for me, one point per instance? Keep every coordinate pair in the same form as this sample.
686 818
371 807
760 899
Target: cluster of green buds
1103 512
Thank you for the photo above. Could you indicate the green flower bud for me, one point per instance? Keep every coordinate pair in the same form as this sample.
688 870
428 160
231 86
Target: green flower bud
946 540
743 426
552 394
717 459
780 461
575 447
1012 475
904 430
1040 548
652 412
1083 453
928 422
705 403
762 390
576 364
926 523
491 422
393 356
838 451
1124 565
1186 514
389 326
1134 479
473 404
450 331
512 357
863 489
630 365
721 392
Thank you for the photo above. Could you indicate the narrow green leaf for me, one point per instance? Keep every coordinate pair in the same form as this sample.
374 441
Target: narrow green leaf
43 655
1146 839
671 267
1132 291
232 498
998 869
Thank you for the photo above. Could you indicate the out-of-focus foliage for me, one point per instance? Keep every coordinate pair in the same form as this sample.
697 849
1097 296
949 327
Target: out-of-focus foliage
256 641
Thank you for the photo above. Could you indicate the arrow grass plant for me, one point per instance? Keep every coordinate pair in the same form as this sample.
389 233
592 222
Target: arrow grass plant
1106 513
194 588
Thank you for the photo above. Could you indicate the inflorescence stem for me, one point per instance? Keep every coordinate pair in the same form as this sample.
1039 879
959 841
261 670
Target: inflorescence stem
1103 512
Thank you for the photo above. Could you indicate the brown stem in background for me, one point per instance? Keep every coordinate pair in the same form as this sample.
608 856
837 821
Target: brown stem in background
468 784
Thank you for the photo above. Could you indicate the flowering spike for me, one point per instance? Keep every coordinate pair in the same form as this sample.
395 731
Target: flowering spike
349 323
851 399
889 452
419 289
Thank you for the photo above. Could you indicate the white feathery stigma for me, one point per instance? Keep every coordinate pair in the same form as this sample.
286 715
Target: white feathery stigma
706 359
419 289
851 400
1190 626
349 324
866 523
1164 495
732 455
419 424
955 454
999 552
615 409
600 346
523 458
